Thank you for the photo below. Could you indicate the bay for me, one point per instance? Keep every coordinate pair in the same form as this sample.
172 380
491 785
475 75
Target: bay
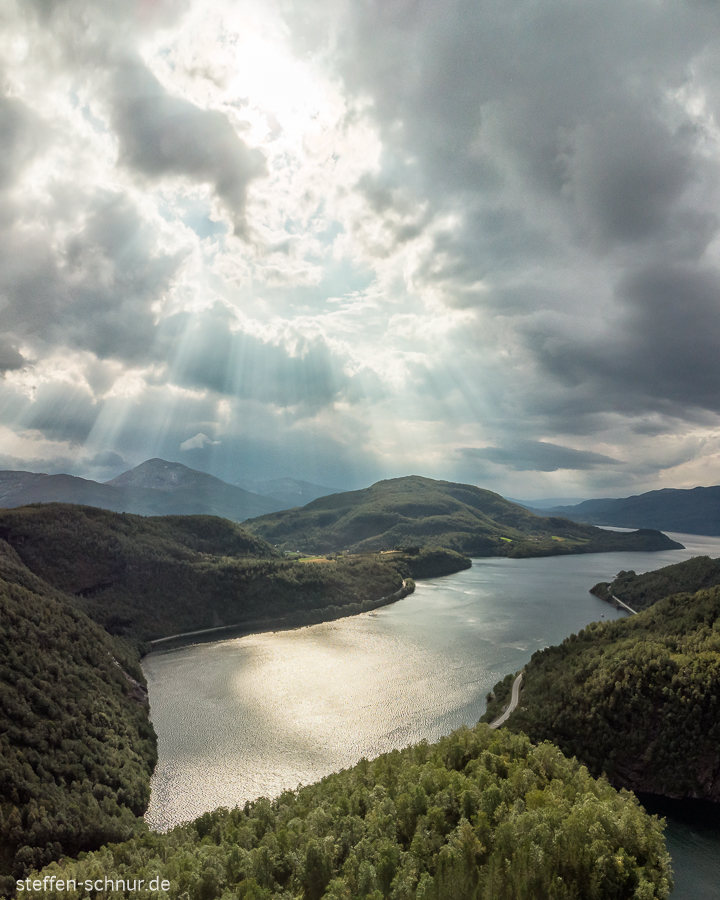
253 716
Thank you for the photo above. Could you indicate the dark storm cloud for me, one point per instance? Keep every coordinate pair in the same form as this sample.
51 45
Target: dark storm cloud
165 135
538 456
584 191
658 354
626 171
95 293
10 356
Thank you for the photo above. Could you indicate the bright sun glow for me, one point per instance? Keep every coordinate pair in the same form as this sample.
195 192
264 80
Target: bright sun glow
277 85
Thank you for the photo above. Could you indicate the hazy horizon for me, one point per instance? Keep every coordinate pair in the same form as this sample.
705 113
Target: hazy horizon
348 242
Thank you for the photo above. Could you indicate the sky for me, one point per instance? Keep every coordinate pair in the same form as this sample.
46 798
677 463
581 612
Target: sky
346 240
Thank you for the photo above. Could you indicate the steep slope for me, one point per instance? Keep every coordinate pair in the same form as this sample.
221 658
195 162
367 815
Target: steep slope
289 491
76 745
636 698
415 510
195 493
480 814
155 488
641 591
693 511
147 578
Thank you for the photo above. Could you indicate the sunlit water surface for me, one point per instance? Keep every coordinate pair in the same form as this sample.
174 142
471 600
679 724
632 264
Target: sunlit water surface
255 715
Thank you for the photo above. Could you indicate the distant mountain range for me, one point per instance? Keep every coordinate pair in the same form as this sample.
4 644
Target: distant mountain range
416 511
693 511
155 488
289 491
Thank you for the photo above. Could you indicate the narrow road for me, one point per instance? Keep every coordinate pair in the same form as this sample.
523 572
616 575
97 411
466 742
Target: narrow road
624 605
266 624
513 703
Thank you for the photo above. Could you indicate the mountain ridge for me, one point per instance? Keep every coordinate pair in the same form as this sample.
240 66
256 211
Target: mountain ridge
182 491
414 510
685 510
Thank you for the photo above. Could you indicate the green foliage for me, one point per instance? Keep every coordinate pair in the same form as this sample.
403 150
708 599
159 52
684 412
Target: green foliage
76 747
636 698
411 511
498 699
641 591
480 815
147 578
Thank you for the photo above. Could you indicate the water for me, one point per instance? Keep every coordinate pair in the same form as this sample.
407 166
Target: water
253 716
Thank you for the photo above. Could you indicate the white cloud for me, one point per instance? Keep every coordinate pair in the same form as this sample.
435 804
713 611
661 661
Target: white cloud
197 442
363 236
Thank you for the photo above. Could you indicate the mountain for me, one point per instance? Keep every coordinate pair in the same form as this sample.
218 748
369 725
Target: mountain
546 503
409 511
193 492
76 746
641 591
289 491
480 814
693 511
154 488
145 578
636 697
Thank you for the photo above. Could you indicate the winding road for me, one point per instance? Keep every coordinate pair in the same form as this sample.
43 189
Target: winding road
513 703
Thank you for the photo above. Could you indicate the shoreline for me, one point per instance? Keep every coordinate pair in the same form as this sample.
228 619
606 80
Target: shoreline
299 619
614 601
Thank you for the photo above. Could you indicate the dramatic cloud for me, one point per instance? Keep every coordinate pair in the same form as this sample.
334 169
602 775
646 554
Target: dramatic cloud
540 456
351 241
163 135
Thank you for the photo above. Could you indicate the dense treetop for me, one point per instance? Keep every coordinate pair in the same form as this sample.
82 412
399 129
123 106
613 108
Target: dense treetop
146 578
636 698
76 747
641 591
415 510
481 815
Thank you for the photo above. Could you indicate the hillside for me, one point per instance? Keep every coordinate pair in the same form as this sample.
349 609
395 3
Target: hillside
694 511
641 591
146 578
414 510
480 814
76 746
636 698
289 492
155 488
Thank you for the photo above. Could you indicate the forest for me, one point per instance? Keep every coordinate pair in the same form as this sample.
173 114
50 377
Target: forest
641 591
636 698
480 815
461 517
76 746
145 578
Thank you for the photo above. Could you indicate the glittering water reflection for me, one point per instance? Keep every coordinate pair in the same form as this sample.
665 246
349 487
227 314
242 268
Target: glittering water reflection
256 715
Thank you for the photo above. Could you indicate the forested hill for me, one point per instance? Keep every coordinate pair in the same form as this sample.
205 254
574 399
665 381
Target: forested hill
415 510
76 747
636 698
691 511
481 814
641 591
147 578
